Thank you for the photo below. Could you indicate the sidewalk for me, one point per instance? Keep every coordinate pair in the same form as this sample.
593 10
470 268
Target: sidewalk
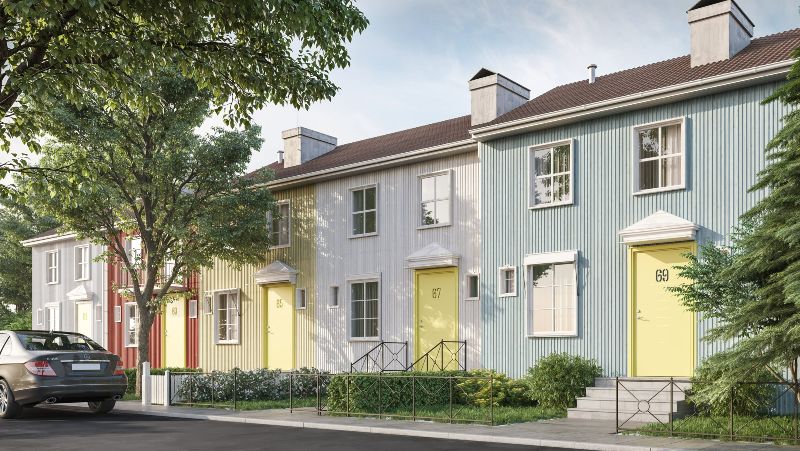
563 433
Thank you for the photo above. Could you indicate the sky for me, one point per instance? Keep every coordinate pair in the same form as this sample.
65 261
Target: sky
411 66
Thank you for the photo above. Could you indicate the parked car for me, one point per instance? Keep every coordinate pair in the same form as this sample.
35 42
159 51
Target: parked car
57 367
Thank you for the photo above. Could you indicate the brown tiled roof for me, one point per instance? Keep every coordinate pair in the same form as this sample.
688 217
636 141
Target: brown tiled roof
46 233
436 134
760 52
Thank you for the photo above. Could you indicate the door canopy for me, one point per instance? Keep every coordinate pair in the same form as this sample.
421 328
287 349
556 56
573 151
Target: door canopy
79 293
432 256
660 227
276 272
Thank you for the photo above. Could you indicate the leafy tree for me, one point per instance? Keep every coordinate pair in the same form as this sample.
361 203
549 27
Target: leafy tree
248 53
145 172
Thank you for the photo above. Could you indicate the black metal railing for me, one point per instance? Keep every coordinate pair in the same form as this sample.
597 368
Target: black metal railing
447 355
383 357
750 411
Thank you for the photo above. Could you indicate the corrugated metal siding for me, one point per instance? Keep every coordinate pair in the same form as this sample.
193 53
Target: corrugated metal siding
340 257
727 134
301 255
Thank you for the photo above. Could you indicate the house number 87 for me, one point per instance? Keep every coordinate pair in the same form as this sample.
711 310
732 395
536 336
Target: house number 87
662 275
437 293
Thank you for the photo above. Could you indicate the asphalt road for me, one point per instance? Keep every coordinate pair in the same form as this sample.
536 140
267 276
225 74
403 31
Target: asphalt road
70 428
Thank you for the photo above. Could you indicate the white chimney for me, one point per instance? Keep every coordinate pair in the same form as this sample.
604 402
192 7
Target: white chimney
302 144
591 68
493 95
719 29
280 156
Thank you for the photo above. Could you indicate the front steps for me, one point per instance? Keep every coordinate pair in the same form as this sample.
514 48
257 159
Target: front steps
640 401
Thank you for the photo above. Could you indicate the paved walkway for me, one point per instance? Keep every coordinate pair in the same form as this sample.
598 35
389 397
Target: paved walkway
560 433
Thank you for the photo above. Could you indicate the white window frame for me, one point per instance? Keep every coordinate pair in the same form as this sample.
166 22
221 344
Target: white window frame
193 308
532 176
47 308
353 212
229 341
270 227
501 281
418 206
334 294
635 155
125 324
300 299
82 268
549 258
98 312
468 280
363 279
208 303
55 270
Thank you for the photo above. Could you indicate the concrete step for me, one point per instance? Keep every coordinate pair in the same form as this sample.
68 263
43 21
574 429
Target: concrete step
610 405
626 418
644 395
645 384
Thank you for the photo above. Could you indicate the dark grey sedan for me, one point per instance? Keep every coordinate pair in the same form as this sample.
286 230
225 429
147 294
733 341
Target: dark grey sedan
54 367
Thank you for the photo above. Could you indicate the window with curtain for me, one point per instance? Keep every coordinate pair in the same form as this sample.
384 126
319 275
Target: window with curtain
551 178
552 299
227 317
660 154
435 199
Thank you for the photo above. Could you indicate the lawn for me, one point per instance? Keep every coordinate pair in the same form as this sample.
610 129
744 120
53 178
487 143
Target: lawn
777 428
310 401
467 414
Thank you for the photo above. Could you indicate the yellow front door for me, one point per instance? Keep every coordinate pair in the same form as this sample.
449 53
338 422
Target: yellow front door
83 310
175 334
280 327
436 311
662 330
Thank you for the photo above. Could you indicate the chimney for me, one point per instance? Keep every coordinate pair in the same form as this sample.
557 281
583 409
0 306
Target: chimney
302 144
591 68
280 156
719 29
493 95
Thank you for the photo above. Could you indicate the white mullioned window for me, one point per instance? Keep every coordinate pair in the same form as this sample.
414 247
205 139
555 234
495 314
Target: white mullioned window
507 281
364 310
659 160
82 262
364 208
226 316
280 225
131 320
51 266
552 299
435 195
551 175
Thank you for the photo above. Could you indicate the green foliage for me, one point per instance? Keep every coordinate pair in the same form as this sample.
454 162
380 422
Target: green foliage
255 385
20 320
482 387
749 398
247 53
558 379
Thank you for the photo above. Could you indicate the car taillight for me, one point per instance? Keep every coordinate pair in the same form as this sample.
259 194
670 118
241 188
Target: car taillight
40 368
120 371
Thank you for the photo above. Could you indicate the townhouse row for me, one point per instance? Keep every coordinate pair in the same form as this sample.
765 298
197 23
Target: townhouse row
528 227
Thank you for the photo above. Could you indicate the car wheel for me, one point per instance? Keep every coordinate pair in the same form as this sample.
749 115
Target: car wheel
100 407
8 407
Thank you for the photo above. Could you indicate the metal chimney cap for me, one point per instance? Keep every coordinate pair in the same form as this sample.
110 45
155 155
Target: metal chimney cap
592 66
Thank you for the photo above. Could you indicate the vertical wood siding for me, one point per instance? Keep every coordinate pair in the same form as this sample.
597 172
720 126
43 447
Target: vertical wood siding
727 134
301 255
340 257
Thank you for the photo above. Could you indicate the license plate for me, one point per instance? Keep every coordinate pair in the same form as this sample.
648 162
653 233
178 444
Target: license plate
85 367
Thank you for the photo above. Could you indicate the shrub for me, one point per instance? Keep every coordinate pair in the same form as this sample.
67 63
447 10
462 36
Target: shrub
369 392
711 395
558 379
255 385
486 386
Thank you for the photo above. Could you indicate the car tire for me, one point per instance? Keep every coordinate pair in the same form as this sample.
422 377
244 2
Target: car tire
101 407
8 406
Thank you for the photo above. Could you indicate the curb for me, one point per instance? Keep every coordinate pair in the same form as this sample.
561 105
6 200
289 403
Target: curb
407 432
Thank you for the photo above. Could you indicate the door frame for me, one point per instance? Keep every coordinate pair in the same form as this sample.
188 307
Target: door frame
633 251
265 322
91 315
417 272
164 315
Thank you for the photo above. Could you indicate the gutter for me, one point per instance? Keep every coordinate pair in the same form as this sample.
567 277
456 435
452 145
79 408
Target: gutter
47 239
697 88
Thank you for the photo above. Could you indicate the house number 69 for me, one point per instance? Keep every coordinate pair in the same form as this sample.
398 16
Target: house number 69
662 275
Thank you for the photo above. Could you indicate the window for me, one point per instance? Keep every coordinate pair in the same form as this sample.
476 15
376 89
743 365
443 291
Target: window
51 261
301 299
131 319
364 300
52 316
334 301
207 303
473 287
365 211
117 314
227 317
435 199
192 308
551 178
82 262
659 159
280 226
507 281
135 250
552 294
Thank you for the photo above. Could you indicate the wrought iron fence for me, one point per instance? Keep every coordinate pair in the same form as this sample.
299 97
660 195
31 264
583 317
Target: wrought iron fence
750 411
444 356
385 356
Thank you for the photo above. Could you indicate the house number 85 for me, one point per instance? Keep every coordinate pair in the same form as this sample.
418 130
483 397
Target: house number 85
662 275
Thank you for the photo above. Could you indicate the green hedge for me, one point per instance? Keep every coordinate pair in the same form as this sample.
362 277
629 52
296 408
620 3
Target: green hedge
131 373
255 385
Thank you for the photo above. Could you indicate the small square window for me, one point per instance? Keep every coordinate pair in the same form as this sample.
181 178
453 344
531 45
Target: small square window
39 316
117 314
301 298
192 308
207 301
98 313
507 281
473 286
334 300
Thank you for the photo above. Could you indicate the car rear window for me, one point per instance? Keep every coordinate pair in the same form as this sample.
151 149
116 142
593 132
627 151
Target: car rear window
43 341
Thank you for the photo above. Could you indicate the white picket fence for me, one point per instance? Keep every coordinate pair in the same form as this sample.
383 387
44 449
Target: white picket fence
154 387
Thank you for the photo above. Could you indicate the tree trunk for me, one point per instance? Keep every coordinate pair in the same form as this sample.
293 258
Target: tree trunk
142 341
